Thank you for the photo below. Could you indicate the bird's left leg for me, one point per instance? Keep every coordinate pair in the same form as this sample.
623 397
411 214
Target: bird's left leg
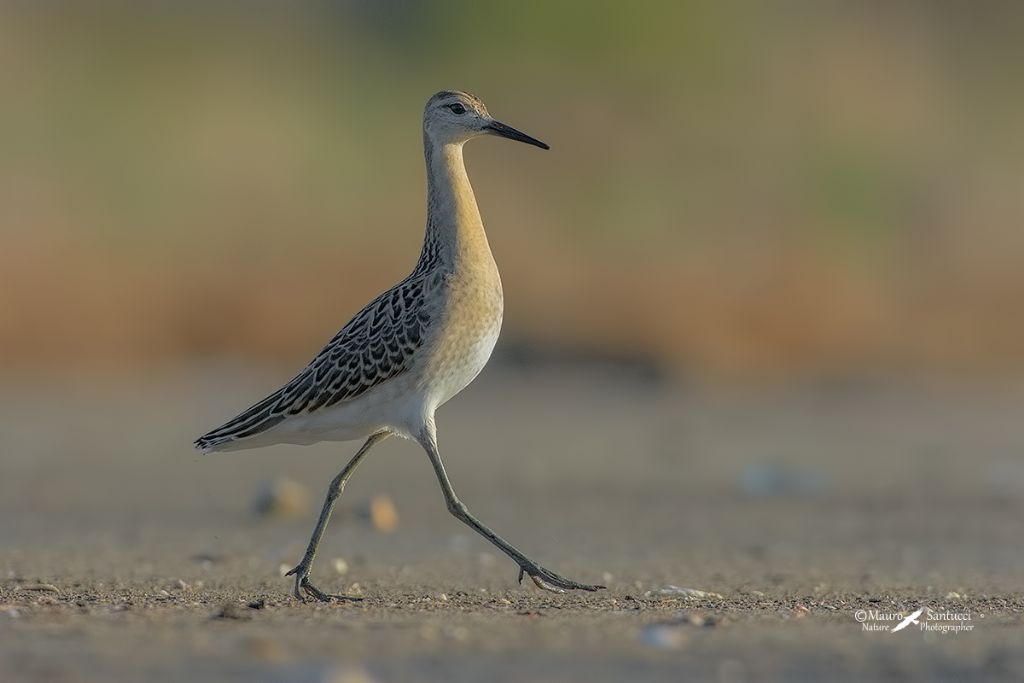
544 578
301 571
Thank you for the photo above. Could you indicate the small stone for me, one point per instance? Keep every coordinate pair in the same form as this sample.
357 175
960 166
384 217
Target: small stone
383 514
345 675
443 597
607 578
41 587
162 593
953 595
207 560
265 649
769 479
340 566
182 585
663 636
231 610
676 591
281 498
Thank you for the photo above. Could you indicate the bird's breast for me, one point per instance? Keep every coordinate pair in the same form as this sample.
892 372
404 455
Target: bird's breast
468 330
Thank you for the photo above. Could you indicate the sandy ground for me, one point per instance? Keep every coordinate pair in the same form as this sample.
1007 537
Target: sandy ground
125 555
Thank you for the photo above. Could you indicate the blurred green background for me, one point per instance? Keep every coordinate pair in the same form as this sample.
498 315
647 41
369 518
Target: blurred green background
739 191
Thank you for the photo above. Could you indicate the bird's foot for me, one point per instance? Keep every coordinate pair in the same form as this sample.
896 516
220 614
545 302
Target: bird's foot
304 588
546 579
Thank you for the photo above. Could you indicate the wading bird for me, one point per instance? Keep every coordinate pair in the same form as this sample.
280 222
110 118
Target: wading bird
409 350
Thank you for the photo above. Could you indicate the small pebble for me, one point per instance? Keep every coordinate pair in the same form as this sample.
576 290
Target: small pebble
44 587
281 498
265 649
383 514
340 566
663 636
348 676
676 591
769 479
231 610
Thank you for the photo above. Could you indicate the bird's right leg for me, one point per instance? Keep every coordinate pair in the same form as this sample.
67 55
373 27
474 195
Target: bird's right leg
301 571
544 578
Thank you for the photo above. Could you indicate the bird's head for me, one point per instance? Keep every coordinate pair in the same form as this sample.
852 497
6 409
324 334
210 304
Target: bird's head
452 116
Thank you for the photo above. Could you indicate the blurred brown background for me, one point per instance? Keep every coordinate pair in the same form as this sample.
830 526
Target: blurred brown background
736 191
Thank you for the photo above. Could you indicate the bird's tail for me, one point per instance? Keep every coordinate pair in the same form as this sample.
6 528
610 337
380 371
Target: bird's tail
235 434
213 444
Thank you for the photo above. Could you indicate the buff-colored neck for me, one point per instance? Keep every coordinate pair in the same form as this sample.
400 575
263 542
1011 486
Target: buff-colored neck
455 233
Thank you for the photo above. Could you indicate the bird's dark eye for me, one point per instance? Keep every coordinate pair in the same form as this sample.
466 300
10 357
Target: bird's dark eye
457 108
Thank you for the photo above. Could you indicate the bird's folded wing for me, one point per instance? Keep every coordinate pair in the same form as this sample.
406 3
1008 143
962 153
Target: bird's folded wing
378 344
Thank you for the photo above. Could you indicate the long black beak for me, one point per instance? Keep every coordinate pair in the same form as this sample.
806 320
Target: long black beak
499 128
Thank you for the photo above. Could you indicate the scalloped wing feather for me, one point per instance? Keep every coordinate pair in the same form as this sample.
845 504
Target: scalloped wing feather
378 344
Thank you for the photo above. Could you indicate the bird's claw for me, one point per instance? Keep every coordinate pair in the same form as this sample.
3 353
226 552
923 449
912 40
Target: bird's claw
550 581
302 585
